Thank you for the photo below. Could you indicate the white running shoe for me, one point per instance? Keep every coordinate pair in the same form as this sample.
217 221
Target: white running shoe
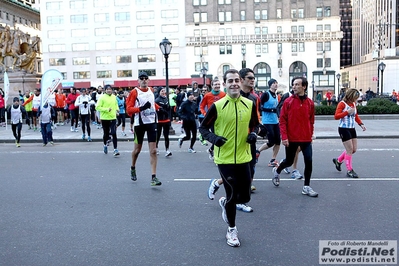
287 169
232 237
306 190
296 174
168 153
244 208
276 177
213 188
222 203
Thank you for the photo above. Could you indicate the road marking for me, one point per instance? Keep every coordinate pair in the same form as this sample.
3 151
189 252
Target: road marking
313 179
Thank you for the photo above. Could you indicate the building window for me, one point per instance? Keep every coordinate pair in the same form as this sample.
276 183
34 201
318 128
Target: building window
222 49
79 18
122 31
145 43
146 58
319 12
279 29
54 20
258 48
265 48
224 16
103 46
79 33
301 13
278 13
150 72
57 61
170 28
196 17
257 30
327 27
264 14
174 13
199 2
122 16
78 4
173 58
301 47
122 2
327 11
319 27
103 17
327 46
101 3
242 15
123 59
56 48
104 74
124 73
81 61
328 62
144 2
293 13
265 30
53 5
199 65
257 15
102 31
123 45
204 17
64 75
145 29
319 62
81 75
319 46
200 50
141 15
294 29
294 47
55 34
103 60
80 46
301 28
279 48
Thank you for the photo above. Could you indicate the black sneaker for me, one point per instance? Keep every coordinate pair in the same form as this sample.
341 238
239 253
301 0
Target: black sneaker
155 182
133 174
337 164
352 174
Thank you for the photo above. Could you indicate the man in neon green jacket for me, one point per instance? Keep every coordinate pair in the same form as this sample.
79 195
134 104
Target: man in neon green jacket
108 107
235 121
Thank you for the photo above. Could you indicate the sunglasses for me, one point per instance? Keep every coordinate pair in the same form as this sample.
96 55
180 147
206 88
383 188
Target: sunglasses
250 78
143 78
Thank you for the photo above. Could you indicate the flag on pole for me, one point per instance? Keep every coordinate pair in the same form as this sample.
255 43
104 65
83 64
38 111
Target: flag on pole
50 81
6 92
6 87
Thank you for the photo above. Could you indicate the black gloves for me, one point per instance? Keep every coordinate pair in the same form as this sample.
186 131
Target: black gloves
220 141
146 106
252 137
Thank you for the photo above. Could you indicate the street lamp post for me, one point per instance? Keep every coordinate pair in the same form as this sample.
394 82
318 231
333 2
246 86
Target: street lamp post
203 72
338 77
381 67
166 48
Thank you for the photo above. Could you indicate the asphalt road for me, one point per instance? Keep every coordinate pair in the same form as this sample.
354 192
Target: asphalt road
69 204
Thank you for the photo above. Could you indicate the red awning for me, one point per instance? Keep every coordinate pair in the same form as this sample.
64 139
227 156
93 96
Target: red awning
82 84
161 82
125 83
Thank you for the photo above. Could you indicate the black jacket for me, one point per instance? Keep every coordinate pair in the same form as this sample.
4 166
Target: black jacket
163 112
187 110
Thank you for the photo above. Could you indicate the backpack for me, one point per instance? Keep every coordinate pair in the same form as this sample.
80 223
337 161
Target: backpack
280 104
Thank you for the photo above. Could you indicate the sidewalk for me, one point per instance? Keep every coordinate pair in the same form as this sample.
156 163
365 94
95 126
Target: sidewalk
378 126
